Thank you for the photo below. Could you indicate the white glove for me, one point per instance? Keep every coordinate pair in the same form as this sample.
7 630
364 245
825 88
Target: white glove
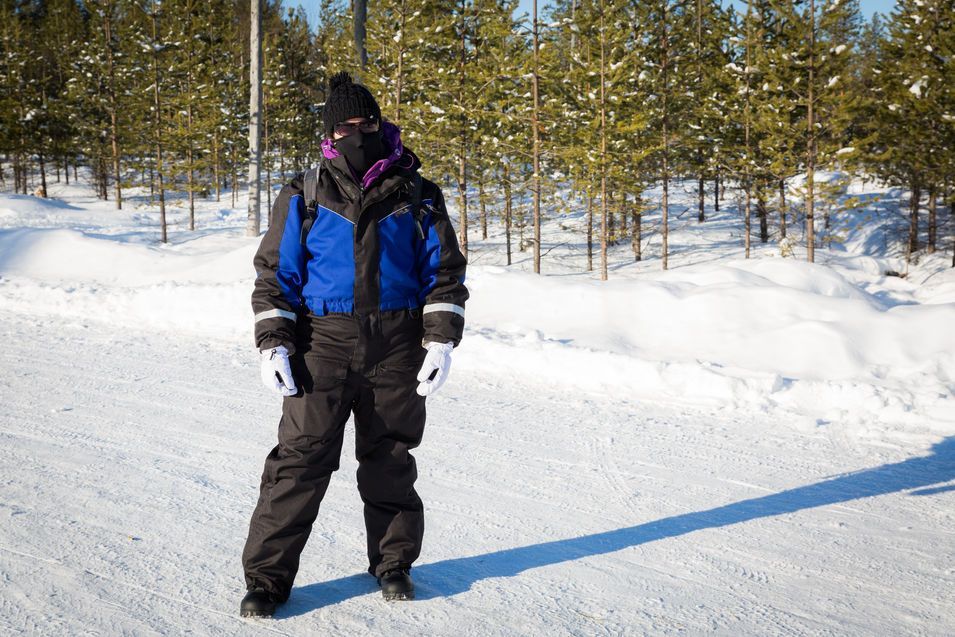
438 358
276 372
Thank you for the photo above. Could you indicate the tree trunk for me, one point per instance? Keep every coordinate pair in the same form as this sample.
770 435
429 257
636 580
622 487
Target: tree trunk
254 225
782 208
763 217
190 158
42 176
463 146
158 132
103 178
463 197
603 149
113 134
623 215
521 222
235 173
16 173
483 201
590 230
747 218
267 159
701 215
282 161
746 126
826 224
507 212
716 194
636 229
535 121
611 221
360 18
914 216
665 228
932 220
215 164
811 146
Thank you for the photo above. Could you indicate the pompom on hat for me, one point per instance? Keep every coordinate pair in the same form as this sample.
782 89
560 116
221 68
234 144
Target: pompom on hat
347 100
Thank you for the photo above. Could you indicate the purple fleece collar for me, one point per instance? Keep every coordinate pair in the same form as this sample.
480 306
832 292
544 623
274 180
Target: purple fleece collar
392 136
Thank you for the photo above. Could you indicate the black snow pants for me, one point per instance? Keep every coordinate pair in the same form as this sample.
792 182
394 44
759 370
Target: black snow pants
366 365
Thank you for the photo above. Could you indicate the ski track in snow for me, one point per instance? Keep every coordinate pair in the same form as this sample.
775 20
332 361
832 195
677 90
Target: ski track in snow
130 462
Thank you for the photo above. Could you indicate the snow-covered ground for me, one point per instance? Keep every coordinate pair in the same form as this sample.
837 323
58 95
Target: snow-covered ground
739 447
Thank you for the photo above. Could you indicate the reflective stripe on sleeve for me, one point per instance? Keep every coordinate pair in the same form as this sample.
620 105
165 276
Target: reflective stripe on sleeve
261 316
443 307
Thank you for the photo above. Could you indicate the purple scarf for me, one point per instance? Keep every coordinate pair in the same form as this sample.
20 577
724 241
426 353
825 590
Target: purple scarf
392 137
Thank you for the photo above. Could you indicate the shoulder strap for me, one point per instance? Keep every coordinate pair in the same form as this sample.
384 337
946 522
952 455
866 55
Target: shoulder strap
416 204
310 193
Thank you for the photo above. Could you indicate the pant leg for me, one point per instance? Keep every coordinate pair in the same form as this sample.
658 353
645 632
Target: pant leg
297 471
389 422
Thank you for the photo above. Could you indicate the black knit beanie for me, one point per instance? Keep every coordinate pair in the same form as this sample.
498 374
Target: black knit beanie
347 100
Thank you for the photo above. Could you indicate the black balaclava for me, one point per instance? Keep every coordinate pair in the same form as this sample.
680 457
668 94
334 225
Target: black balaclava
362 150
345 101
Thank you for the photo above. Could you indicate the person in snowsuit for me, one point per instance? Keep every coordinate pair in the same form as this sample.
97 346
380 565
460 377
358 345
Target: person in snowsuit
358 302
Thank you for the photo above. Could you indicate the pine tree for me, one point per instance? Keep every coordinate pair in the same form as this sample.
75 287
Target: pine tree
575 40
60 32
33 80
497 59
771 113
662 78
821 29
913 146
708 84
100 72
155 40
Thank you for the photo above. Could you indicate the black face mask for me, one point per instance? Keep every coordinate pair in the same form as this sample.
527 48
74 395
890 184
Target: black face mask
362 150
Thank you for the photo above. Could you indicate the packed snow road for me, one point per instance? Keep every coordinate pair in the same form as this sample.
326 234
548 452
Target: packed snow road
129 465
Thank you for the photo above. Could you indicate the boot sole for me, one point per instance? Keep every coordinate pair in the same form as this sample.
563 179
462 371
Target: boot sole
398 597
255 613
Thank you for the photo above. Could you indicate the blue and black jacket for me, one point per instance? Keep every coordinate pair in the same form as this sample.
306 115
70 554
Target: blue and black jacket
363 254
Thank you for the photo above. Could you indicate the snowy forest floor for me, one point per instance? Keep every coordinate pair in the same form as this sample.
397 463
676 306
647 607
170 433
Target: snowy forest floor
581 475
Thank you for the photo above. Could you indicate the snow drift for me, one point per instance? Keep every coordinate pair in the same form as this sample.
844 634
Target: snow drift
765 333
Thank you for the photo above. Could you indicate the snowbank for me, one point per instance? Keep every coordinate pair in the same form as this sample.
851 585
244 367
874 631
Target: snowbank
764 334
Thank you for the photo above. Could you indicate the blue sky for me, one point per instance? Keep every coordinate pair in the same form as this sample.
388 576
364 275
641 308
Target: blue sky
868 7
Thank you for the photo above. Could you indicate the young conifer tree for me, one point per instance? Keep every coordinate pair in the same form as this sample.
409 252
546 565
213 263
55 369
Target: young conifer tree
774 113
156 44
575 39
662 80
823 32
496 63
100 73
707 87
627 118
914 141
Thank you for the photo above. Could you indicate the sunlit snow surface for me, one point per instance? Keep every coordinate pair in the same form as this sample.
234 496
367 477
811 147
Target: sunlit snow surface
739 447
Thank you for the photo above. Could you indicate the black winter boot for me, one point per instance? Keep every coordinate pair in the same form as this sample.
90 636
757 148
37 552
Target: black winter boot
396 584
258 602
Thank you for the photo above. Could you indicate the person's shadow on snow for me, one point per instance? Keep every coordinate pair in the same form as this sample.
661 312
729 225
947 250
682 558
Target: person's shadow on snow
450 577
